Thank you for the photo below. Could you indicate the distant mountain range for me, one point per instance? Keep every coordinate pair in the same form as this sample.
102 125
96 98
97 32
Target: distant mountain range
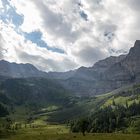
105 76
15 70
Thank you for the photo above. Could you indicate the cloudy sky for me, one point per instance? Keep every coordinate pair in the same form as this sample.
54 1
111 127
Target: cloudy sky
60 35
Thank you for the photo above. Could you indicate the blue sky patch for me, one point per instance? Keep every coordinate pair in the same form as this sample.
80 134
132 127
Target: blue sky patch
36 36
9 14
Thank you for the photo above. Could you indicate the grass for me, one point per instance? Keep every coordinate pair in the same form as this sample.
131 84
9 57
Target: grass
61 132
41 130
78 137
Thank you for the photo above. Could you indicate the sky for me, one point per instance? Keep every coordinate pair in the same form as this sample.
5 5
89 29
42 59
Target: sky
62 35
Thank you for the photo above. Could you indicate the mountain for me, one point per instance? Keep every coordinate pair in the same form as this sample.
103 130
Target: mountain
88 81
127 70
87 73
19 70
106 75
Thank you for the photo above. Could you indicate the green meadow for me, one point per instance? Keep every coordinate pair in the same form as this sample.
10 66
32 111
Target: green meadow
61 132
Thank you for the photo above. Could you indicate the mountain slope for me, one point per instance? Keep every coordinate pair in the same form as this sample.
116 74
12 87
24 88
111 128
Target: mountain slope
23 97
34 90
119 111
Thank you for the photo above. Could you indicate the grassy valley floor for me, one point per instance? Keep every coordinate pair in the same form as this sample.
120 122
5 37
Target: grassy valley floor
61 132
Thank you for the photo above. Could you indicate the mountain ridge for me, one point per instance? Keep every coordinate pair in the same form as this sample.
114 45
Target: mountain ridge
21 70
104 76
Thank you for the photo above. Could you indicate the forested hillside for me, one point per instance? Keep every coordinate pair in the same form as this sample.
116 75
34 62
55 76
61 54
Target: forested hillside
120 112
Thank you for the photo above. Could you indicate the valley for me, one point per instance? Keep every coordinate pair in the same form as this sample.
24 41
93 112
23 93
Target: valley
100 102
69 70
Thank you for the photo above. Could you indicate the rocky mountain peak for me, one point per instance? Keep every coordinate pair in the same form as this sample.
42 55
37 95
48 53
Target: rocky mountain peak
137 43
132 61
135 51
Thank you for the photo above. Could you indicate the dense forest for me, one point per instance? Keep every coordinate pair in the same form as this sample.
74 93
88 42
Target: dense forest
110 119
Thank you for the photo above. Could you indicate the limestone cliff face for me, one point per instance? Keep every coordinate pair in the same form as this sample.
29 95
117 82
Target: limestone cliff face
132 61
123 72
127 69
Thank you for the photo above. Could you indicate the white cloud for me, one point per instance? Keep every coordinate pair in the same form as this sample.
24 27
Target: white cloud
15 48
1 6
111 28
32 20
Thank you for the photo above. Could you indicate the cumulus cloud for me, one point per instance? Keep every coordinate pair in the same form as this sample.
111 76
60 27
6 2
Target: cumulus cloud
14 48
90 55
73 33
49 64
